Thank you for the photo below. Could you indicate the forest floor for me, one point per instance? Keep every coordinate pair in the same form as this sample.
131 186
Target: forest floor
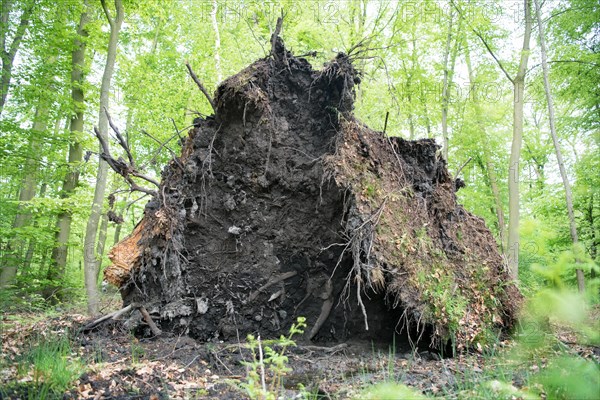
111 363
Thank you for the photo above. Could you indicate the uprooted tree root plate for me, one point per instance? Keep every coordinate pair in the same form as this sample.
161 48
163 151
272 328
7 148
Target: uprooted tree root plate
283 204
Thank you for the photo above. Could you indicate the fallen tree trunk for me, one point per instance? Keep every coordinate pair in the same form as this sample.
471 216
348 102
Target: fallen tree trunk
289 206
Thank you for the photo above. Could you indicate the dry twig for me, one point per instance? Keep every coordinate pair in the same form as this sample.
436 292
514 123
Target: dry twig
121 167
201 87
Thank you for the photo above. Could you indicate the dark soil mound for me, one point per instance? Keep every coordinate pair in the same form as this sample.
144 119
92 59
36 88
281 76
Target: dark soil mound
284 205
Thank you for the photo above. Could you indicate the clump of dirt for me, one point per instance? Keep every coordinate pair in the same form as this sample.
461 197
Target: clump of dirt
283 204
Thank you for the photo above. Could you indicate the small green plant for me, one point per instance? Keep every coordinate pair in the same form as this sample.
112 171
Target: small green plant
446 303
137 351
390 391
268 367
52 364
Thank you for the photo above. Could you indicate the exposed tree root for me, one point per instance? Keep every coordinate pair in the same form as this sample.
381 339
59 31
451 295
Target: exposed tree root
325 309
271 282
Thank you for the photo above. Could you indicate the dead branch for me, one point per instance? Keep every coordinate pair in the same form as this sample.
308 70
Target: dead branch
164 145
120 138
461 167
201 87
271 282
485 43
112 316
177 134
387 115
329 350
121 167
275 35
178 131
325 310
155 330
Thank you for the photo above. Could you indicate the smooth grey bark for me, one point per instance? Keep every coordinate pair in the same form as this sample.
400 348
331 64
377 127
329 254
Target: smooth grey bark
559 158
91 259
71 180
8 51
215 25
102 233
445 85
515 150
518 83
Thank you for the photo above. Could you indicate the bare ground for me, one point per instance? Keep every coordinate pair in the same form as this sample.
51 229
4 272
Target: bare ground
120 366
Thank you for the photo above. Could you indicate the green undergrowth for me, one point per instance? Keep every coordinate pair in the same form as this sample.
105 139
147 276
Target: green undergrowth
46 369
542 362
549 356
266 371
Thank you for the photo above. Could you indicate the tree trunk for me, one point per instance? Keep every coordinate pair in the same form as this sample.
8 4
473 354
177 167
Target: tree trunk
101 242
445 86
8 52
426 114
561 164
515 150
488 164
14 250
90 258
215 25
33 241
117 236
589 215
71 180
517 141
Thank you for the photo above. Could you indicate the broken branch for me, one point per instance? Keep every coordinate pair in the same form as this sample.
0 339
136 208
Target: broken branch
155 330
325 310
461 167
201 87
121 167
276 34
271 282
120 138
387 114
107 317
175 158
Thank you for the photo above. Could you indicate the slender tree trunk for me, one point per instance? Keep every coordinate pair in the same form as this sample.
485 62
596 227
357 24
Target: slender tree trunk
411 122
517 140
156 34
497 201
538 169
14 251
426 115
9 51
591 220
488 164
102 233
409 88
453 55
593 236
515 151
117 235
71 180
445 85
215 25
561 164
357 21
91 260
33 241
